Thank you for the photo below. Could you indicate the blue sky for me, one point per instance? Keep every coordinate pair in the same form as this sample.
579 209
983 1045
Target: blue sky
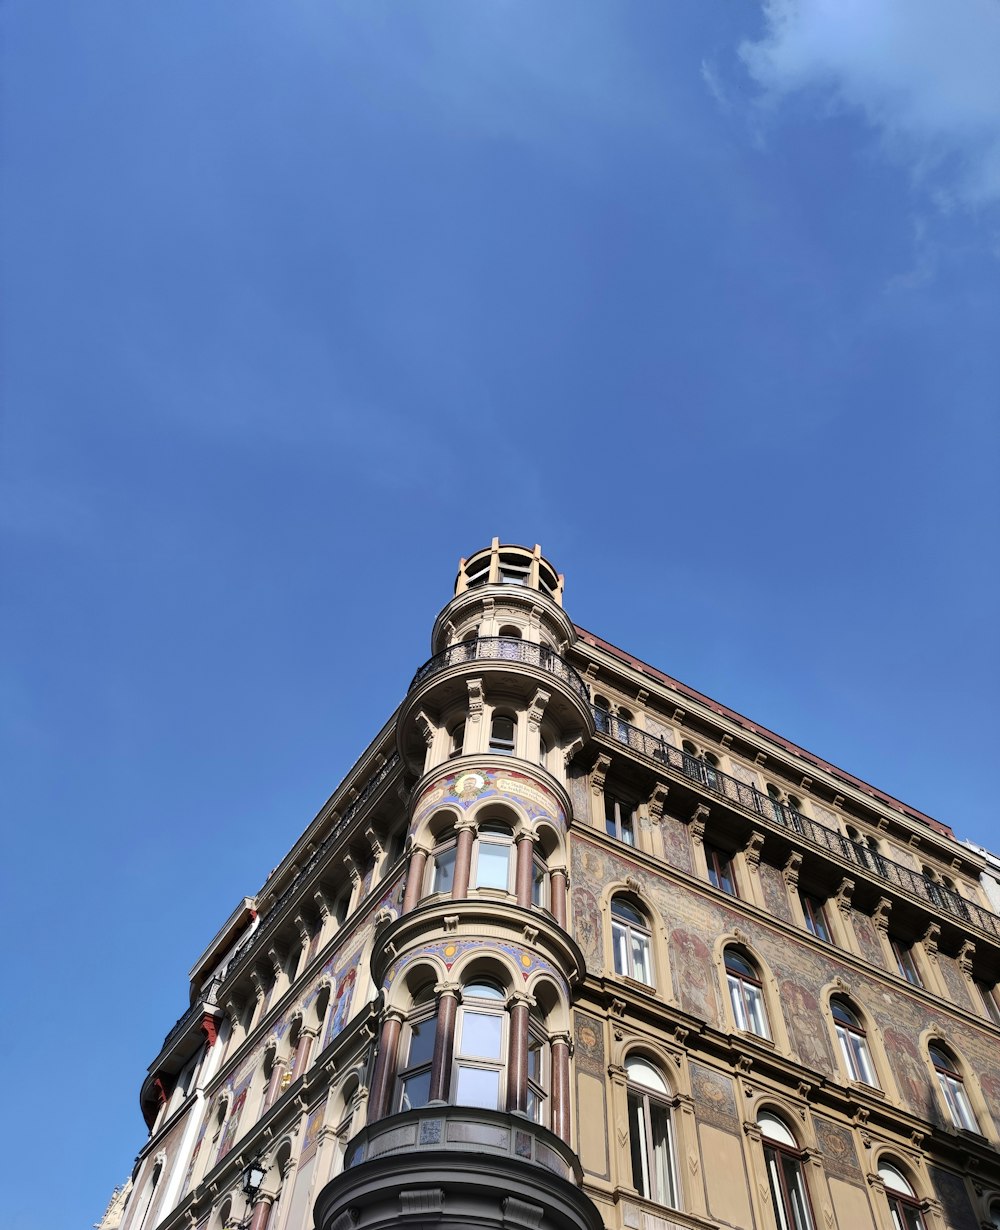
304 300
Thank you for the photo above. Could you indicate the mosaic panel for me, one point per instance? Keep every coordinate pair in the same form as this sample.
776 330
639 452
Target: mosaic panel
449 951
775 893
342 996
587 927
473 786
579 794
588 1037
310 1138
233 1119
954 1197
840 1156
714 1098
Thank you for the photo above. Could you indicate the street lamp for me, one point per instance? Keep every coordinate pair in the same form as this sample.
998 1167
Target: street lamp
251 1180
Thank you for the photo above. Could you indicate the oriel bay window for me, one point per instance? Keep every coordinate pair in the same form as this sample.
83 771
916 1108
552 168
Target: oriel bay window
442 874
649 1130
538 1071
783 1160
417 1052
630 941
493 855
746 994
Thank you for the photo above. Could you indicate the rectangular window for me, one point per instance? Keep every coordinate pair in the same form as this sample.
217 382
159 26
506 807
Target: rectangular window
720 870
415 1076
493 864
905 961
815 916
444 870
619 821
990 1003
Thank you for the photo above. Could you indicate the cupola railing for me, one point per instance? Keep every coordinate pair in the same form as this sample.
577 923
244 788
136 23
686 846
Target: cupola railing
505 649
749 797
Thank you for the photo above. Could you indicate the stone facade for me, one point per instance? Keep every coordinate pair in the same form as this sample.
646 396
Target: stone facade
573 946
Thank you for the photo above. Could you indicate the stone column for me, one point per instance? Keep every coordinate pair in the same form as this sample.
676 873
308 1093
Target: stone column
444 1041
518 1005
306 1037
385 1065
560 1086
415 877
274 1084
262 1211
525 845
465 832
558 882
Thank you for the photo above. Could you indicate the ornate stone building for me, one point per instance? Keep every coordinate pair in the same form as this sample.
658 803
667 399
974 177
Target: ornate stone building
575 946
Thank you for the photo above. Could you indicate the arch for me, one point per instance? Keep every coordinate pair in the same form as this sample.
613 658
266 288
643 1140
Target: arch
900 1186
756 1012
487 963
650 1101
552 1002
955 1084
784 1165
401 991
631 895
850 1040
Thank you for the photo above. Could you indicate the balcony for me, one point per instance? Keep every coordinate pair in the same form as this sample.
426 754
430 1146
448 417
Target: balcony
772 812
502 649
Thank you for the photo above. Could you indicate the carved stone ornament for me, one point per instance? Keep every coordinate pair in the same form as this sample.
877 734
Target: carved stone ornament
537 708
791 871
845 891
599 774
965 955
618 1007
657 800
751 851
930 941
633 884
881 915
476 699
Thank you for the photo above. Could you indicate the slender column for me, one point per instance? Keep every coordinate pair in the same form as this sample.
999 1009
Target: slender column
560 1086
414 877
306 1037
261 1211
517 1057
525 855
463 859
385 1065
558 881
444 1041
274 1084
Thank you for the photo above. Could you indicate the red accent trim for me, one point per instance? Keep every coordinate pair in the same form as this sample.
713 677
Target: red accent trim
163 1092
209 1028
714 705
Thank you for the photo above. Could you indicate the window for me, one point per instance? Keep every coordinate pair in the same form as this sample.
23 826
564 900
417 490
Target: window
746 995
443 865
503 734
624 720
602 714
538 1071
783 1160
539 882
649 1132
457 740
700 766
543 751
905 961
418 1049
815 915
508 645
480 1046
903 1206
853 1044
720 870
630 940
493 856
619 819
513 570
990 1002
953 1089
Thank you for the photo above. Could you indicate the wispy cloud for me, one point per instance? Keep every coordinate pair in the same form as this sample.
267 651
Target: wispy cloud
925 73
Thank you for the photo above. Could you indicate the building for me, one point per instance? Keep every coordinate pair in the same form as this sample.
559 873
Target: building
575 946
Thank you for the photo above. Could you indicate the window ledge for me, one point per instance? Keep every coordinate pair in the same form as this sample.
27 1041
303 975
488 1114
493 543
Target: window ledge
758 1038
863 1087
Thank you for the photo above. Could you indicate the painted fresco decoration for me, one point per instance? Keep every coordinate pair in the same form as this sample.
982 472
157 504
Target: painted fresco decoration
311 1135
449 951
233 1118
473 786
343 995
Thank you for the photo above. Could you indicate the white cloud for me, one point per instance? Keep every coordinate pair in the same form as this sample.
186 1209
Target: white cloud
925 73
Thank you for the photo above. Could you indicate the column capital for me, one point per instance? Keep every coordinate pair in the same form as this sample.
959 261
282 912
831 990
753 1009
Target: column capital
519 998
453 989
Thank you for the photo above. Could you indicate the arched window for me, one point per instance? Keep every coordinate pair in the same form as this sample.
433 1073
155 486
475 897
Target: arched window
953 1088
783 1159
649 1129
700 766
624 721
905 960
493 855
746 994
442 869
630 939
416 1051
481 1046
602 714
903 1205
994 1213
508 646
503 734
853 1043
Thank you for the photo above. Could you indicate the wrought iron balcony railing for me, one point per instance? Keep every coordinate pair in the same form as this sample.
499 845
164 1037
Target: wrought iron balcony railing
505 649
752 799
204 1003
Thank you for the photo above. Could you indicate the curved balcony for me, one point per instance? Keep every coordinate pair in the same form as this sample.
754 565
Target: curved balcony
462 1166
505 649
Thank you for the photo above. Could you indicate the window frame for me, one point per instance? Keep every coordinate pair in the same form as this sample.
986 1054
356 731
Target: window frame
952 1085
737 982
781 1160
906 963
619 819
720 869
493 1005
905 1209
988 995
814 913
654 1160
424 1013
446 846
489 834
852 1037
502 746
628 933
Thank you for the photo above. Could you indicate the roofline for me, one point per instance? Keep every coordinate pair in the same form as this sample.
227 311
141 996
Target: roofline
938 826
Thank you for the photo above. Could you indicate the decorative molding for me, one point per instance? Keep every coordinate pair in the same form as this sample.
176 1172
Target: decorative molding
679 715
656 801
965 955
477 699
791 869
537 708
751 851
599 774
880 917
843 895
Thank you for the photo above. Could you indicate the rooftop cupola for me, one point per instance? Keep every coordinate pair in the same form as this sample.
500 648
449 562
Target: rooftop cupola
509 565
